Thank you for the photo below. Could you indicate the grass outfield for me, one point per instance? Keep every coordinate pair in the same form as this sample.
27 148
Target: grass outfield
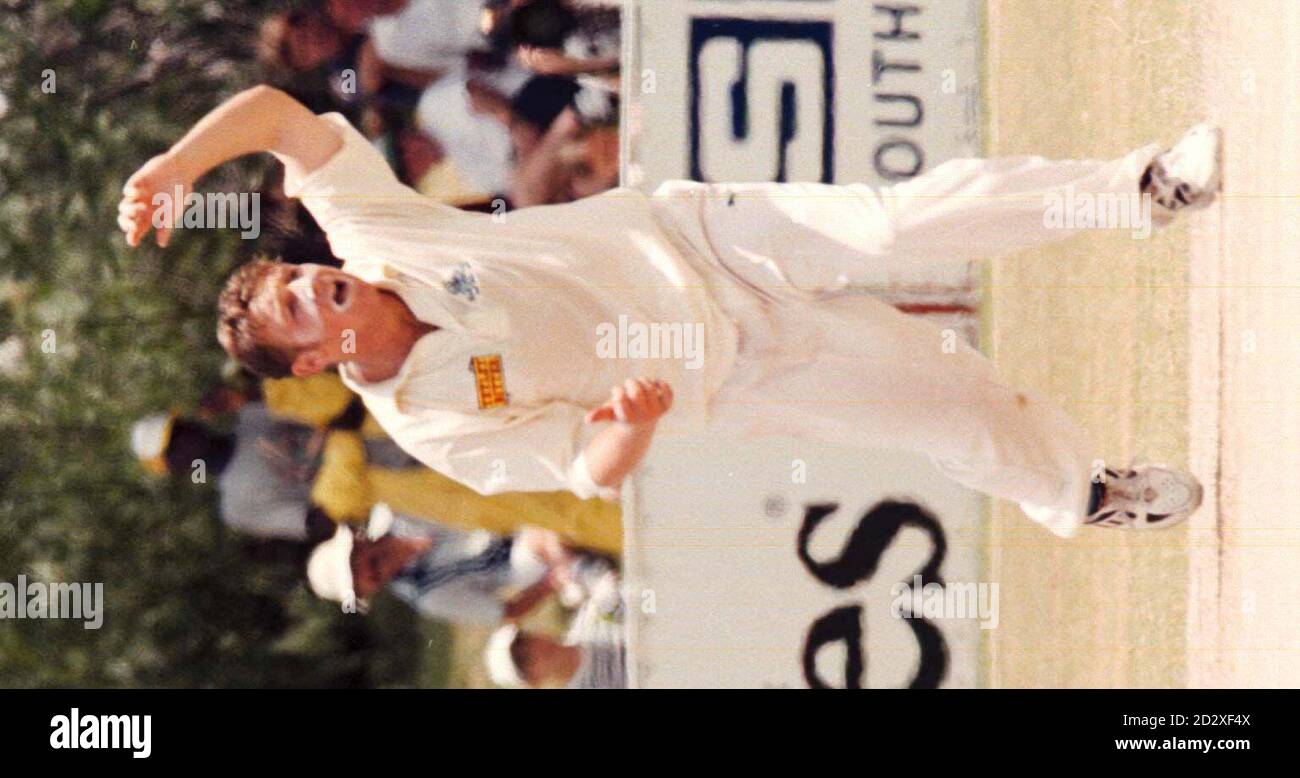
1099 323
1246 356
1179 349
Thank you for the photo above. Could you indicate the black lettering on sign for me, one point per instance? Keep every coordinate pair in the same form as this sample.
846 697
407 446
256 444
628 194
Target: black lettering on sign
932 667
898 159
842 624
858 561
866 545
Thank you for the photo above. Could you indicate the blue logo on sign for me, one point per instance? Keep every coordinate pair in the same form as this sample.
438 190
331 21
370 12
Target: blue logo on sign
769 75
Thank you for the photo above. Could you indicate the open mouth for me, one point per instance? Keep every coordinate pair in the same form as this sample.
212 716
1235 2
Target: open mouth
341 294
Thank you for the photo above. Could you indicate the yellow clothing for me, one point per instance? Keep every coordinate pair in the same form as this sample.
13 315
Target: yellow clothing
342 486
314 401
346 488
593 524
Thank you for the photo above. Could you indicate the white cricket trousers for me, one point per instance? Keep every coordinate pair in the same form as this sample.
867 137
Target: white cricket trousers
854 371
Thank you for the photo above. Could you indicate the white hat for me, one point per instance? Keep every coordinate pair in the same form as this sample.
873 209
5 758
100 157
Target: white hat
381 521
329 568
500 664
149 439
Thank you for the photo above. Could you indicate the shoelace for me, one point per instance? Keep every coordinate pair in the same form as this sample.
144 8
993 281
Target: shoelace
1167 192
1124 485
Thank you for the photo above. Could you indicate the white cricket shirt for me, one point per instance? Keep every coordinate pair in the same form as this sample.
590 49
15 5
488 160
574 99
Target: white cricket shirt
525 304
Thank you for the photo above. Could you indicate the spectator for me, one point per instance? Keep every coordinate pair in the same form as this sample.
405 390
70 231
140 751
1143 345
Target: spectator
315 59
430 36
263 470
591 656
442 573
360 467
568 39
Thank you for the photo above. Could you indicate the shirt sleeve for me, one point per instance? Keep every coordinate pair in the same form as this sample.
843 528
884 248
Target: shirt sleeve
356 193
542 453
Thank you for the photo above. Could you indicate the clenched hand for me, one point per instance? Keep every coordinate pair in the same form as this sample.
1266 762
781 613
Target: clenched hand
637 401
137 211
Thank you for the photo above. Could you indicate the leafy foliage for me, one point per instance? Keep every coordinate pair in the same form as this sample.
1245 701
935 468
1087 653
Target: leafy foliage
94 335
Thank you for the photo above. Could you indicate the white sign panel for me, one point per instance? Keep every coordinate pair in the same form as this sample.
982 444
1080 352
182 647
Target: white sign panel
778 562
741 575
803 90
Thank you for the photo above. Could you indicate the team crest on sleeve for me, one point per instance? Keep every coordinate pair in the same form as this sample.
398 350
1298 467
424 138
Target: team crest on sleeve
463 282
490 380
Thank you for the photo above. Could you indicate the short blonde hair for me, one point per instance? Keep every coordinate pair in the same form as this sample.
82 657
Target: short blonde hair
236 329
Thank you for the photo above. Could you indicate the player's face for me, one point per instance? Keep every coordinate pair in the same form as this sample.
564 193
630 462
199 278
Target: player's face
314 310
375 562
541 661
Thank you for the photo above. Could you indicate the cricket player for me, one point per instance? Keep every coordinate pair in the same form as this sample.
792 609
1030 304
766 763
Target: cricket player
476 340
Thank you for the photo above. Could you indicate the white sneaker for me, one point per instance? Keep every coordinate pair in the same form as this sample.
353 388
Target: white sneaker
1188 176
1146 497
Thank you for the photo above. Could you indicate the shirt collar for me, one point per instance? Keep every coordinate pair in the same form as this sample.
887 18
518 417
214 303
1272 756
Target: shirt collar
422 305
389 388
417 296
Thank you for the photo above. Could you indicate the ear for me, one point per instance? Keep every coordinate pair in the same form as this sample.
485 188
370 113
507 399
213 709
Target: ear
309 363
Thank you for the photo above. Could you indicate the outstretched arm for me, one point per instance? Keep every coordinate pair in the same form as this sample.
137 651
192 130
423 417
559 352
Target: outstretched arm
261 119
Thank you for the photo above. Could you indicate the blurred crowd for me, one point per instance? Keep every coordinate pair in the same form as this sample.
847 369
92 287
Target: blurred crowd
482 105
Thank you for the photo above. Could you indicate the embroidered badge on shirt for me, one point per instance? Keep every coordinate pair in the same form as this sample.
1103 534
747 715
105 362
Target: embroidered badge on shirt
463 282
490 378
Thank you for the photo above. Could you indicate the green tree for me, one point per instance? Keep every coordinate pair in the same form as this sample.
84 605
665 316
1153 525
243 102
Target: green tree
94 335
